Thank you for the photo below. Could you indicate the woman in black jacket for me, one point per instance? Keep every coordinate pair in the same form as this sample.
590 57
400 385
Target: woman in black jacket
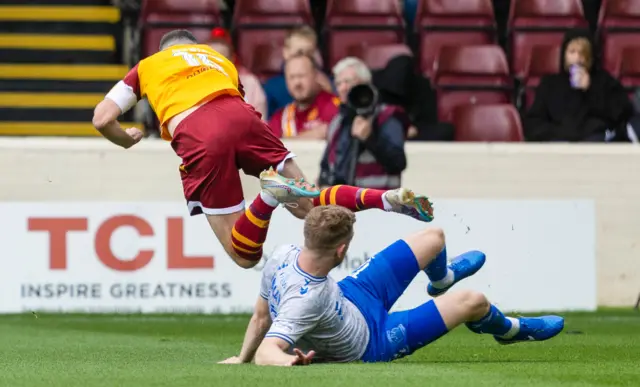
583 102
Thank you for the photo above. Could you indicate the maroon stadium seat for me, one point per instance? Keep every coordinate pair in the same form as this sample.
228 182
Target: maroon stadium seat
377 57
266 61
544 13
543 60
612 46
257 13
349 13
265 23
630 68
340 42
619 14
619 27
446 13
249 40
433 41
540 22
152 36
442 22
488 123
471 75
158 17
180 12
355 22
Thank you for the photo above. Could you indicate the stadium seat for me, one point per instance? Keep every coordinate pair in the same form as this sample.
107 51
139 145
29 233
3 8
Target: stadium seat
619 15
377 13
540 22
180 13
152 36
471 75
443 22
613 45
433 41
630 68
377 57
158 17
489 123
543 60
355 22
265 23
266 61
433 14
619 27
269 13
249 40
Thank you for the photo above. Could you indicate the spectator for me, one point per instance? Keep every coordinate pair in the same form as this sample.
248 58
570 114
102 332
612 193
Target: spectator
399 84
301 40
583 102
254 94
311 111
366 139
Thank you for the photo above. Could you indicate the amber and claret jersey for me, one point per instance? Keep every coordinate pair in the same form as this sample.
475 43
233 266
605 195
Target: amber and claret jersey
176 79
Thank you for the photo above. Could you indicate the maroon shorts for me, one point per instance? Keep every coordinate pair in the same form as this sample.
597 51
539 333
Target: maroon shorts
214 143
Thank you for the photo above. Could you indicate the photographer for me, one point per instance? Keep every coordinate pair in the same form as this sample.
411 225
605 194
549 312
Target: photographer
365 144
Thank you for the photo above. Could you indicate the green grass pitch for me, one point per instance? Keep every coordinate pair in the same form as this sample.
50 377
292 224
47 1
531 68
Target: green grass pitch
596 349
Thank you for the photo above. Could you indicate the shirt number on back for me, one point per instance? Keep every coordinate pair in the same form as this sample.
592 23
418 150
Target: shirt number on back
195 60
359 270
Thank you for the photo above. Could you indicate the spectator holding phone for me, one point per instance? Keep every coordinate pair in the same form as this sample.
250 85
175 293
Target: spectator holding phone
581 103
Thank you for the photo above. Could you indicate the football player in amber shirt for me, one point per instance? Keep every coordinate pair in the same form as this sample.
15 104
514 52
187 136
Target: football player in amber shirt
313 108
198 99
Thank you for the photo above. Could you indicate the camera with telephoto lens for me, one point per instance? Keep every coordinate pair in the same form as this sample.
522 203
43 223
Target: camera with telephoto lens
363 99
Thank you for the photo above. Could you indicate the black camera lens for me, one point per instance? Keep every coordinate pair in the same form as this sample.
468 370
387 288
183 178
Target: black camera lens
363 99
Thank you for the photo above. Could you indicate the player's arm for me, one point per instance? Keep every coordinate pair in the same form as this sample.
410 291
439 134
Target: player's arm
120 99
272 352
296 318
257 328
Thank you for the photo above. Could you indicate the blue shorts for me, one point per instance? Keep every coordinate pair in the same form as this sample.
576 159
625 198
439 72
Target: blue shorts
374 287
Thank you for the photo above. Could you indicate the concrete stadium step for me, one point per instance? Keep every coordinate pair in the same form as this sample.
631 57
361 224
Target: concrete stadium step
57 48
50 100
59 13
56 2
67 72
58 61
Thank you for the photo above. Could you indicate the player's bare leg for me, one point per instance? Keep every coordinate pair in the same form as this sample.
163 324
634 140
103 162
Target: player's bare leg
243 233
222 226
451 309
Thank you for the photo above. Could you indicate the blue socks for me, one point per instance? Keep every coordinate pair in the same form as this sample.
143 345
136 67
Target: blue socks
495 323
437 269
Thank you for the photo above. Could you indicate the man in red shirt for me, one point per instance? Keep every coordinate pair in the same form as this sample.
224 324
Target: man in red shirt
313 108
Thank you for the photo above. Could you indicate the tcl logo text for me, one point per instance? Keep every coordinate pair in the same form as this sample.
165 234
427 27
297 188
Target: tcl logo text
58 229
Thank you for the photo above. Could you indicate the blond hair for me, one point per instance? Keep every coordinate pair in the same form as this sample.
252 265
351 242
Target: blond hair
327 227
302 32
584 45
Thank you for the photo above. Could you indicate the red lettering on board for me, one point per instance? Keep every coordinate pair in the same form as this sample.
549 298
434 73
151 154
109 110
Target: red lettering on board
58 228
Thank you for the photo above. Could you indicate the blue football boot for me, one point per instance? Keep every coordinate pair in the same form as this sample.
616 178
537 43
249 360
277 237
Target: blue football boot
463 266
535 329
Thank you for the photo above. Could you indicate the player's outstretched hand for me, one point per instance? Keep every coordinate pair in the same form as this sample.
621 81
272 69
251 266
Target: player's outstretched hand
302 358
135 133
231 360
